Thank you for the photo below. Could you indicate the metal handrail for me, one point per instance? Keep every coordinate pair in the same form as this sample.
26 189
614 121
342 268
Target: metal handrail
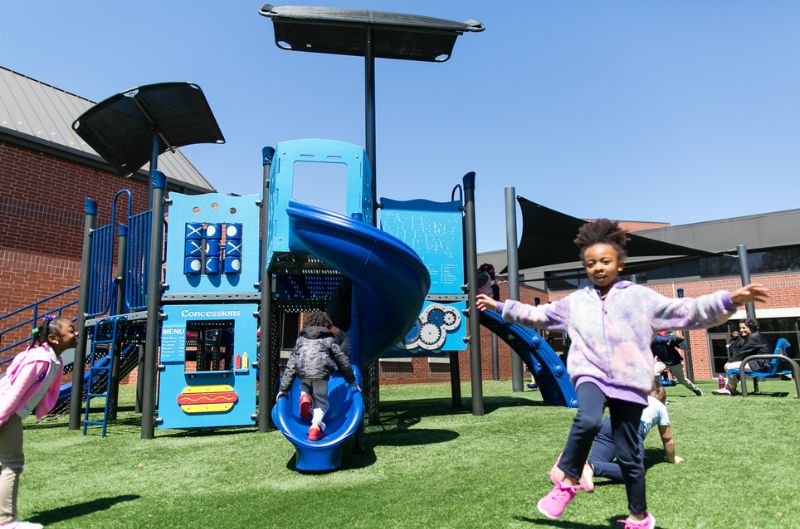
795 370
33 320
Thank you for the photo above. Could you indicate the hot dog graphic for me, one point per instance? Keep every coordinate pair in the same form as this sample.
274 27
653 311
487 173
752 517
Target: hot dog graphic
207 399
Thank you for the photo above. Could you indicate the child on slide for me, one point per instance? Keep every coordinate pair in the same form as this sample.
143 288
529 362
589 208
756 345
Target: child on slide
314 358
611 324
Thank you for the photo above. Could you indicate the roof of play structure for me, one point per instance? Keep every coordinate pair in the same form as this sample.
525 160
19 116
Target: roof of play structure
548 235
344 31
38 115
121 128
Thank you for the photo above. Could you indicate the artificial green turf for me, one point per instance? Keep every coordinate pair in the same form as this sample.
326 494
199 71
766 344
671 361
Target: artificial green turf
425 466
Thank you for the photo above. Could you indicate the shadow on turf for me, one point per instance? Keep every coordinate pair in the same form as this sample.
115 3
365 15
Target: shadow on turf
566 524
79 509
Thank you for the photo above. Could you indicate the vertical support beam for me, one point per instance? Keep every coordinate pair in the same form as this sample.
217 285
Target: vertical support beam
513 276
159 183
264 367
455 380
470 249
495 359
90 213
122 252
153 167
688 360
744 271
372 371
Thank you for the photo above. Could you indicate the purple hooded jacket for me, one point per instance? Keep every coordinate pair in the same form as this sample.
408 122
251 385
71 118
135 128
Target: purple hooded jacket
611 337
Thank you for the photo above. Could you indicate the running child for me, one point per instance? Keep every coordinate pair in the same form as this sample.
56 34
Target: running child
30 385
610 363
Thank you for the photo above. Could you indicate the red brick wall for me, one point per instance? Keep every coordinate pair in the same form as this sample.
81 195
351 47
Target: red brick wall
41 223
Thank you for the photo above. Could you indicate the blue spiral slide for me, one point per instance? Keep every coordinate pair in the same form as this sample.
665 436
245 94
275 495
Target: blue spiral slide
390 283
538 356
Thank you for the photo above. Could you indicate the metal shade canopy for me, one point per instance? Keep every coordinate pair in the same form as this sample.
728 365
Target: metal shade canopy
125 128
342 31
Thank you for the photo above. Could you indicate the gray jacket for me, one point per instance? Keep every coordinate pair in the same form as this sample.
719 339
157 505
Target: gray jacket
316 355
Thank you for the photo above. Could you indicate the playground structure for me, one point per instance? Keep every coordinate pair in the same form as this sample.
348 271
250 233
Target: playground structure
229 265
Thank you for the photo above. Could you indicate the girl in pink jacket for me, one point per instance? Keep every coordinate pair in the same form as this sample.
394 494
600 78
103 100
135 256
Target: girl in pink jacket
30 385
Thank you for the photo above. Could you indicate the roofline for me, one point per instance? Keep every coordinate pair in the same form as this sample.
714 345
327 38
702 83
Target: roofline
718 221
46 84
92 160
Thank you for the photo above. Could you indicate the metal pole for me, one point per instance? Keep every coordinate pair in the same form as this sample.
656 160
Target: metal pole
264 367
744 270
495 359
513 276
159 183
455 380
153 167
122 252
90 212
470 249
689 362
372 374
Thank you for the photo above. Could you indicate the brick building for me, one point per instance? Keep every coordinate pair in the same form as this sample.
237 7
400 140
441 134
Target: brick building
46 171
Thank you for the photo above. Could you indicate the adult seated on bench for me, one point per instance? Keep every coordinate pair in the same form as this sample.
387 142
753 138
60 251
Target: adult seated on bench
754 344
775 359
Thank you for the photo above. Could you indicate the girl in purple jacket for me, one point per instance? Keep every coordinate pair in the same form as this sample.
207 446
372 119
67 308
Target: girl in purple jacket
29 385
610 363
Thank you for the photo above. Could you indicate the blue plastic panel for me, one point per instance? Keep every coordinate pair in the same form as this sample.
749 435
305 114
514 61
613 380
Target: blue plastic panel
319 151
174 381
435 231
197 262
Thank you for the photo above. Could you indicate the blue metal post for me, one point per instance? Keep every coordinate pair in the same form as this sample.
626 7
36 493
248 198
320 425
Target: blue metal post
90 213
159 183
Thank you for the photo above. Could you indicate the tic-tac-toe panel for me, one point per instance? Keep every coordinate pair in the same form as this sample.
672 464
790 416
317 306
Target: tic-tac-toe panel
212 244
206 376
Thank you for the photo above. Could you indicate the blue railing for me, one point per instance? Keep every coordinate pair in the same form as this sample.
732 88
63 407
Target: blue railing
37 313
138 257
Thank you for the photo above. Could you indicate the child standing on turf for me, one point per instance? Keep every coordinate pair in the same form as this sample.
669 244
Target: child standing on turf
610 363
30 385
315 356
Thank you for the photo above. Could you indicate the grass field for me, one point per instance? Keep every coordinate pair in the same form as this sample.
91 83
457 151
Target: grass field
425 466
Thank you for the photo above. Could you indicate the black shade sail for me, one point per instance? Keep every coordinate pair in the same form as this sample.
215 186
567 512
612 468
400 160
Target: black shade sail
548 235
344 32
121 128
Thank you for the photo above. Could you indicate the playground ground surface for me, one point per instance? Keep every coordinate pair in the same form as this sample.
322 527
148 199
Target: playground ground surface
425 466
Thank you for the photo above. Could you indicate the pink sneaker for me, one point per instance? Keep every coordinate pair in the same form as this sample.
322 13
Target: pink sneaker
649 522
556 501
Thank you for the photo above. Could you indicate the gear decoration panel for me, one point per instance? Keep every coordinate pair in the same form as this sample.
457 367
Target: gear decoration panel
435 230
206 375
212 244
440 327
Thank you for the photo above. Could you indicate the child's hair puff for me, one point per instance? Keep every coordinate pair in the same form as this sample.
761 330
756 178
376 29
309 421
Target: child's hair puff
602 231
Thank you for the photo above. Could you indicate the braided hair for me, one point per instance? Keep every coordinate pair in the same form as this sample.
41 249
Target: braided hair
602 231
48 326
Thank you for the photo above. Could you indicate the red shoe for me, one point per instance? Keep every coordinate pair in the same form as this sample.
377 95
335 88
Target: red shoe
315 433
305 406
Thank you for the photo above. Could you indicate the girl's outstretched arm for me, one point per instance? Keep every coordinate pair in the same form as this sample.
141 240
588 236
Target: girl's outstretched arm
553 315
703 311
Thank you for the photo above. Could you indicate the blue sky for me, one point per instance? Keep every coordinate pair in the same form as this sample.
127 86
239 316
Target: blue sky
671 111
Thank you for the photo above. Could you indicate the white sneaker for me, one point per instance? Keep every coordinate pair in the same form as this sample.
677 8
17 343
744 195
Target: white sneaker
21 524
722 391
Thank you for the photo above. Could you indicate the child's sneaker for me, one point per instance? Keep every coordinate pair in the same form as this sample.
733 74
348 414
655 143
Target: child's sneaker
721 391
305 406
649 522
21 524
315 433
556 501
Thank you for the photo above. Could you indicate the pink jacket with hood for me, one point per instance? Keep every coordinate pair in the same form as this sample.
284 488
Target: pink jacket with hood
22 379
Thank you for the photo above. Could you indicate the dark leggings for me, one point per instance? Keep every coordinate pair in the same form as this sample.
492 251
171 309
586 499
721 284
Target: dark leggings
625 417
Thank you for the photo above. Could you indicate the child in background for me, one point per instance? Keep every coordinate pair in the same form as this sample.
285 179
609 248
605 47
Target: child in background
610 363
602 459
31 385
315 356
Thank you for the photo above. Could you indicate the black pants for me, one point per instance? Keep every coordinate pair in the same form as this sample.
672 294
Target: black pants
625 417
